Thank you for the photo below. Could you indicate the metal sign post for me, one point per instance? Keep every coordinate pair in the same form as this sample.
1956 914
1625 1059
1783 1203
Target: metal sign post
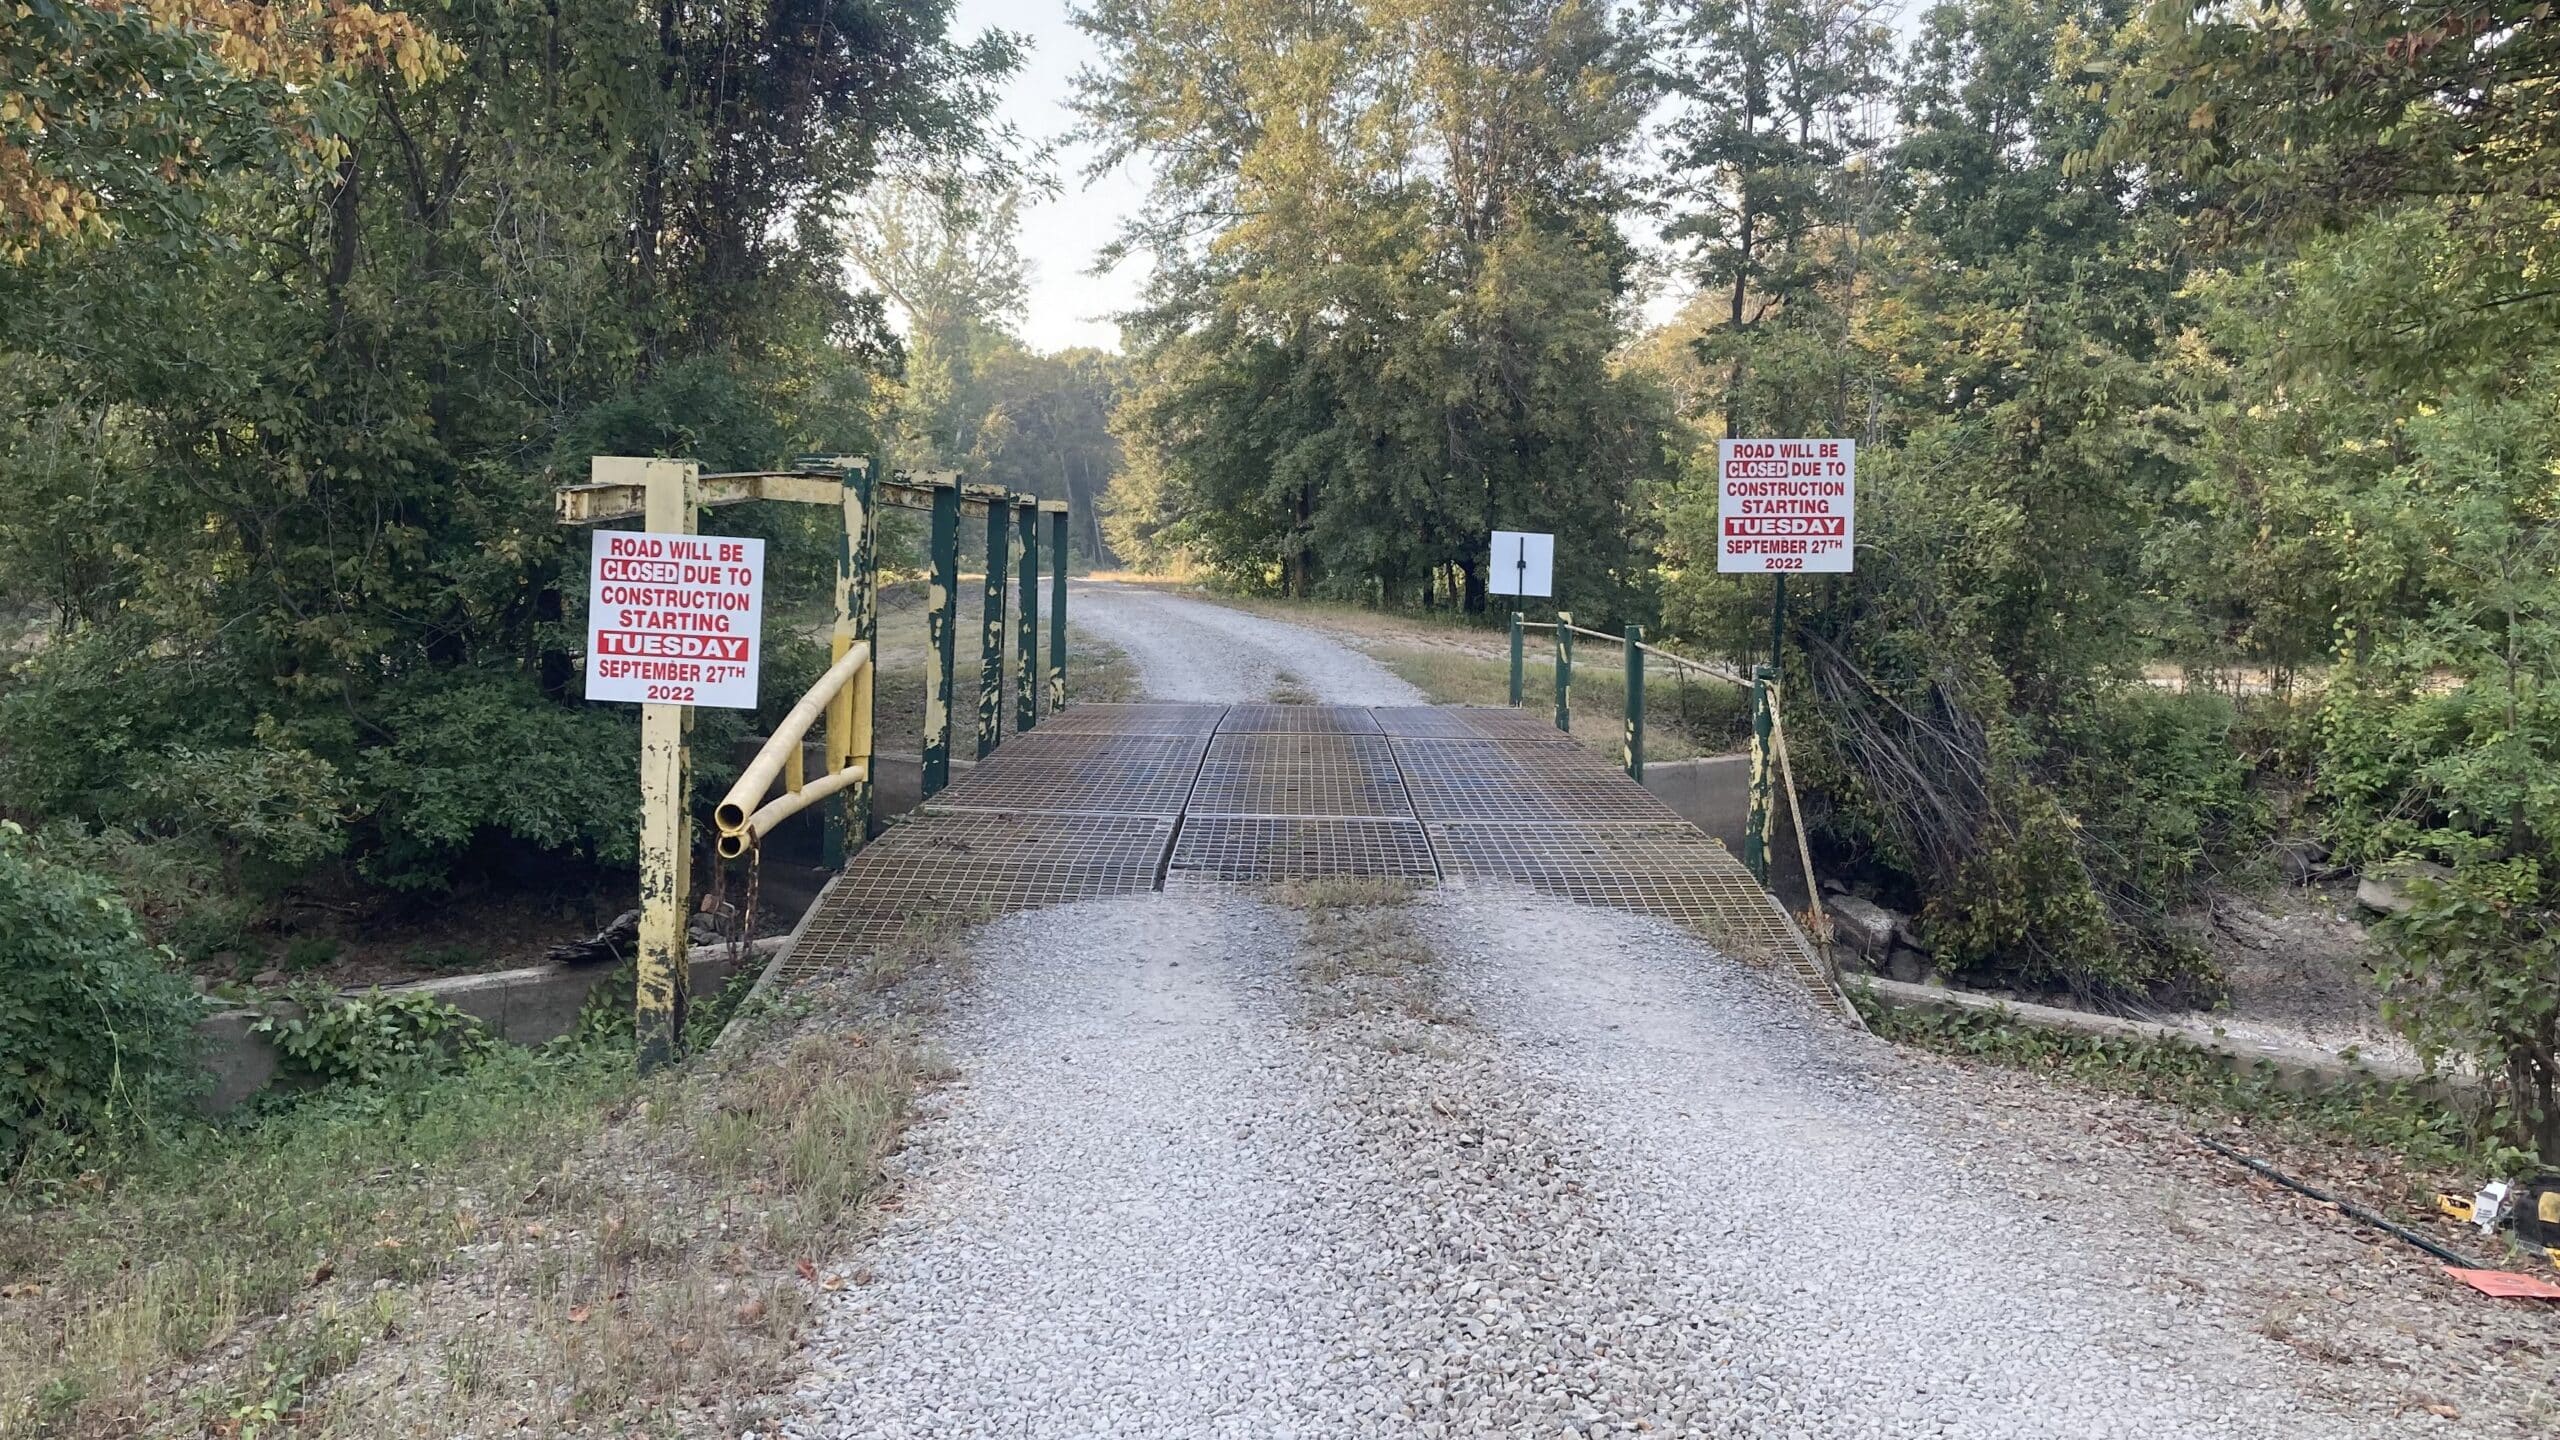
1782 507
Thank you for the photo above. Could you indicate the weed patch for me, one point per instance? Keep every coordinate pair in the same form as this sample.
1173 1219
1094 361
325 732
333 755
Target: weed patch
2396 1127
1362 955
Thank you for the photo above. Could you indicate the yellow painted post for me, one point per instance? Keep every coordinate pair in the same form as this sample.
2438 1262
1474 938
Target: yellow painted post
672 491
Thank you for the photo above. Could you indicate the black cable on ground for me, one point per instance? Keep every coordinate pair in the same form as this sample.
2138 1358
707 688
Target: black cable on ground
2348 1208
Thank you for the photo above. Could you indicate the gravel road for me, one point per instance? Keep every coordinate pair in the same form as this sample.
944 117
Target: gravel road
1595 1181
1188 649
1573 1174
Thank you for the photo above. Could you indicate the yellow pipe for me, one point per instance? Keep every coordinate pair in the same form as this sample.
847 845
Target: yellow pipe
731 816
840 746
734 843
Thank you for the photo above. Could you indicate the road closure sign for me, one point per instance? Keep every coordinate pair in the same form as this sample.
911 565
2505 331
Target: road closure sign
1786 505
675 619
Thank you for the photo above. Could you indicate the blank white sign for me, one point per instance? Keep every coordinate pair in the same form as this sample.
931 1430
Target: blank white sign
1524 563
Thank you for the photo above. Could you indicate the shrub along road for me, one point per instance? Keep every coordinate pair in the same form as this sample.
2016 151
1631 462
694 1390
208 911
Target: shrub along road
1341 1162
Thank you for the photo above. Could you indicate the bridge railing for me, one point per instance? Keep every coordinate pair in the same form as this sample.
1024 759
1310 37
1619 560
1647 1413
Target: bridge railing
668 496
1769 762
745 817
1770 766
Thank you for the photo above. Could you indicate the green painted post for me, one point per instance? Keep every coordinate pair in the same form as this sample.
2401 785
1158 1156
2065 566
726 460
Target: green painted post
862 582
942 635
1564 671
991 628
1058 609
1517 664
1632 752
1026 631
1755 827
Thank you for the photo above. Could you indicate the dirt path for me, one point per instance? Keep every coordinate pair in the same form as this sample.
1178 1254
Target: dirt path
1193 650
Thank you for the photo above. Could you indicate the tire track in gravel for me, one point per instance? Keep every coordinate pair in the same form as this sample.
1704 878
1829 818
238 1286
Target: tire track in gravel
1188 649
1840 1273
1117 1221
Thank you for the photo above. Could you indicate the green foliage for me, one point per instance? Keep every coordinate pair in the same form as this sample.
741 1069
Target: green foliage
276 447
96 1033
1376 358
473 755
377 1038
2471 964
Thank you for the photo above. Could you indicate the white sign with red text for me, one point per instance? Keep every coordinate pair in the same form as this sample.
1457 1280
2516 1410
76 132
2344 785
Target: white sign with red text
675 619
1785 505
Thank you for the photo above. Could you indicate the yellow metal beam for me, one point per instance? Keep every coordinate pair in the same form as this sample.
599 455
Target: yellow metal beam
621 500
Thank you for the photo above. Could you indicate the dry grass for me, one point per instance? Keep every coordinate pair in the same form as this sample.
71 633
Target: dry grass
541 1246
1363 957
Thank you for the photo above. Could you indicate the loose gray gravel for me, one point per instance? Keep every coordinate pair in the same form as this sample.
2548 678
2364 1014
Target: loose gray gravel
1187 649
1583 1177
1597 1182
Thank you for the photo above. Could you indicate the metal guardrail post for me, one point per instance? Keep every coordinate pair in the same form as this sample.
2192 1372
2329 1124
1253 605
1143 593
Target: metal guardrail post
991 628
1564 671
1058 608
941 639
1026 630
1517 666
849 715
1632 752
662 980
1755 829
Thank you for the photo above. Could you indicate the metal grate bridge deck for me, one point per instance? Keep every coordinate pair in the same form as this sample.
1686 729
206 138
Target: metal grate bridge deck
1115 799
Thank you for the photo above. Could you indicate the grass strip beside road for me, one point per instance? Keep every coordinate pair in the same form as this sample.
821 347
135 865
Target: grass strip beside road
538 1244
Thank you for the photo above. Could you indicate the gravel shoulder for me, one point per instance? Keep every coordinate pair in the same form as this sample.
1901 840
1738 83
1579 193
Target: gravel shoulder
1187 649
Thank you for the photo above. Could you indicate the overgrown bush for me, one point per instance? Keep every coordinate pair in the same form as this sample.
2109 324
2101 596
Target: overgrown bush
375 1039
476 755
2474 969
95 1030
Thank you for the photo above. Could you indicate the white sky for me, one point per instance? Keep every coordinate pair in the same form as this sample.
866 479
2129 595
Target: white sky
1060 236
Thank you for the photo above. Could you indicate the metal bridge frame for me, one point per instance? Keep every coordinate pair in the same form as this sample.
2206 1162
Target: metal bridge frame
667 496
1769 763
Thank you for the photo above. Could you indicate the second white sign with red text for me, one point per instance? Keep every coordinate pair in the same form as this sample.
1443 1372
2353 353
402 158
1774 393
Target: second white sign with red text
1785 505
675 619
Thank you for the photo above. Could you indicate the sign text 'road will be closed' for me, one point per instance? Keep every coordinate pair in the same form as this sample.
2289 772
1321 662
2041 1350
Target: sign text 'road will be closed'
1785 505
675 619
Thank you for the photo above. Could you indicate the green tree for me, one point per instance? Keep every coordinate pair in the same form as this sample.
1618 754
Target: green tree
1387 282
278 461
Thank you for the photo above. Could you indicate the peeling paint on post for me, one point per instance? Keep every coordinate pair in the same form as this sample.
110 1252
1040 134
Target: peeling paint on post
1632 750
1564 671
1519 661
672 490
991 627
862 531
941 638
1057 604
1026 630
1755 826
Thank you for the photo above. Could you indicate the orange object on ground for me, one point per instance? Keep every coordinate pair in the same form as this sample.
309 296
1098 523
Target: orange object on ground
2505 1284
